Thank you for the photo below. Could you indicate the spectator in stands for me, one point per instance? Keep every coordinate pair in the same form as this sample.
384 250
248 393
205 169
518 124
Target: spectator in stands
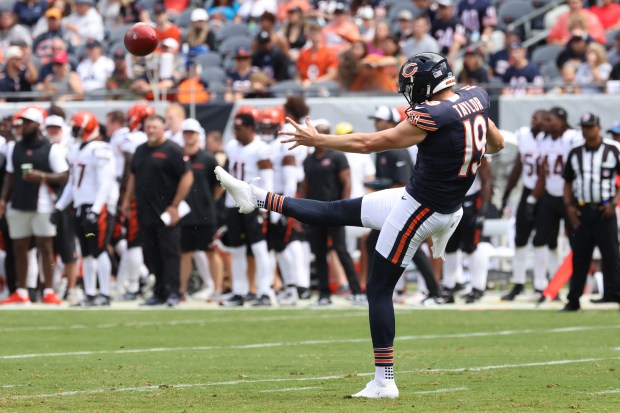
267 23
120 79
29 11
613 56
392 53
367 26
382 32
42 44
65 10
427 9
448 29
131 12
473 72
170 60
286 6
110 13
575 50
18 76
521 73
608 13
560 32
96 68
176 6
270 59
224 10
613 84
595 70
405 25
351 64
568 83
498 62
164 27
238 78
192 88
63 84
200 38
145 85
57 45
341 30
84 24
421 40
252 10
479 18
294 31
317 63
10 31
375 75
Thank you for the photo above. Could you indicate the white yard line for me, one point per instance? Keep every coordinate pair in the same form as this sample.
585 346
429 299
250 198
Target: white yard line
300 379
10 386
290 389
308 342
605 391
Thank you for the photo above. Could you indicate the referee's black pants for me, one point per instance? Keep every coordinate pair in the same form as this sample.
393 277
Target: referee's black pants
595 231
318 238
162 251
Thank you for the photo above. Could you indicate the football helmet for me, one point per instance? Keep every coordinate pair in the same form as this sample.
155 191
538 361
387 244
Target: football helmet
136 115
269 122
250 110
423 75
84 126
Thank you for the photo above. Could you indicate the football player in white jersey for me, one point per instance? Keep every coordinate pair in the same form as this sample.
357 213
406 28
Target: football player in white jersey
94 194
525 167
126 234
248 156
466 237
546 198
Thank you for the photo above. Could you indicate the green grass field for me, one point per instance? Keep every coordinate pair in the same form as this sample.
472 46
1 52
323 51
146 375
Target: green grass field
306 360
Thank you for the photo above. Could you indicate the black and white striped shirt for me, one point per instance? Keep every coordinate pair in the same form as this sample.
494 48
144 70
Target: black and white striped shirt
593 172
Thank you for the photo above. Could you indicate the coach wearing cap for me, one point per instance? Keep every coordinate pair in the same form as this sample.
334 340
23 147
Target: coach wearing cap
590 197
35 168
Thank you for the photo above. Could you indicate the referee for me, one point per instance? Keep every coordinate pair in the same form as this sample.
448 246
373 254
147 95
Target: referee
590 197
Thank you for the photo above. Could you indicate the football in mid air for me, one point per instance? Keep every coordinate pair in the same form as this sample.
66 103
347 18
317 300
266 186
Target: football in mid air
141 39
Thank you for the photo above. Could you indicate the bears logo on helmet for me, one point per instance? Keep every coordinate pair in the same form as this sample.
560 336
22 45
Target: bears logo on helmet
136 115
423 75
85 126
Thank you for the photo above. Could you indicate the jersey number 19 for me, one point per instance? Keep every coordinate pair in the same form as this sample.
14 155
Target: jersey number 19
475 145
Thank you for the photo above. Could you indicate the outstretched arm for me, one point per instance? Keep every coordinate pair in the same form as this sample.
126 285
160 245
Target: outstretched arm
401 136
495 140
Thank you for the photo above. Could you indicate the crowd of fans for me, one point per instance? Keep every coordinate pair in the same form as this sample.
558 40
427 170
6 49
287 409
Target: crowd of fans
224 49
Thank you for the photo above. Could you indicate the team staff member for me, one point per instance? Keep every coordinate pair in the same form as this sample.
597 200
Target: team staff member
328 178
198 227
590 197
160 179
35 167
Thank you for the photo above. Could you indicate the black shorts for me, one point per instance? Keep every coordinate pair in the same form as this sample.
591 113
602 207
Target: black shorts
523 226
94 237
127 228
244 229
280 234
197 238
64 241
467 233
549 212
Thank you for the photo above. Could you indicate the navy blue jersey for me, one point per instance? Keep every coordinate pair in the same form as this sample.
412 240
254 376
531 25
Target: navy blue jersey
449 157
477 15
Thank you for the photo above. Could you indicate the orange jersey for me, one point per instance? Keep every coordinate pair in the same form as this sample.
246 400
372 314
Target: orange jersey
312 65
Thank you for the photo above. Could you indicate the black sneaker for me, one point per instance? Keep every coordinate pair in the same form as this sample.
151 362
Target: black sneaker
153 302
233 301
457 287
250 297
129 297
473 296
571 307
323 302
101 301
262 301
447 297
173 300
87 302
516 290
304 293
601 300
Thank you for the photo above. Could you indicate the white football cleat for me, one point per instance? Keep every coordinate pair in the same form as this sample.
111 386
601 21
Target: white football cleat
374 390
240 191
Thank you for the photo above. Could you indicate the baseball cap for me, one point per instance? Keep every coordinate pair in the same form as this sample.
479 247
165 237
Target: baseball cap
263 37
170 43
93 43
60 57
242 52
384 112
14 51
445 3
33 114
244 119
615 129
159 8
366 13
559 112
321 122
199 15
340 8
343 128
89 2
53 13
118 54
589 119
191 125
54 120
405 15
515 45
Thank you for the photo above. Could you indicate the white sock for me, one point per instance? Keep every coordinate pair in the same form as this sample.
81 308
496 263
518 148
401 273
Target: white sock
33 269
460 276
541 259
260 194
299 270
383 374
47 291
22 292
450 268
518 265
303 258
239 269
89 266
479 269
59 268
264 270
104 271
553 263
202 266
285 265
133 267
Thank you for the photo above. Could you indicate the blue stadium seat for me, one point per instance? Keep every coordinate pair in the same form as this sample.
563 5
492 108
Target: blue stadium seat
286 88
546 53
512 10
209 60
213 74
230 30
230 45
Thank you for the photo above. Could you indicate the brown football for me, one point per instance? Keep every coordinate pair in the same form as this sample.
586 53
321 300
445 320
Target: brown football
141 39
